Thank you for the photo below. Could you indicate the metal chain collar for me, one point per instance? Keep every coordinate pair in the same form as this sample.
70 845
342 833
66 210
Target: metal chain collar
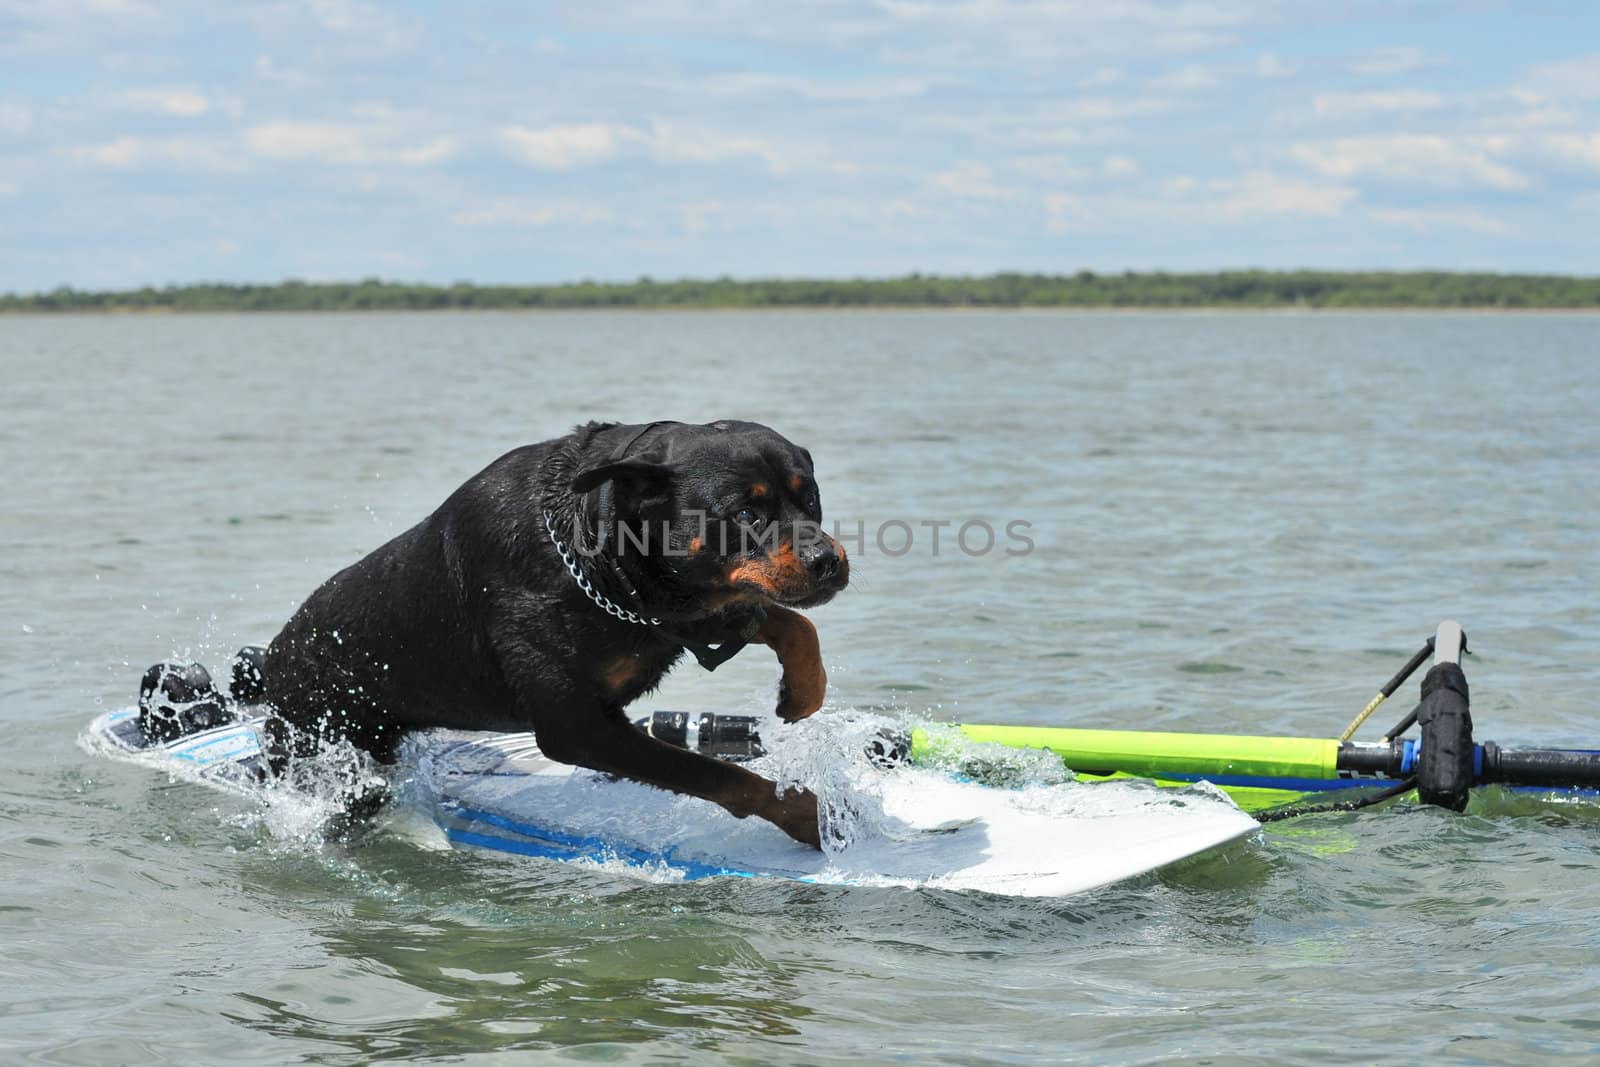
606 603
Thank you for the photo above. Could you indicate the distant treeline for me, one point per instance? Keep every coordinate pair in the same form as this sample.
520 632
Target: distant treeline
1247 289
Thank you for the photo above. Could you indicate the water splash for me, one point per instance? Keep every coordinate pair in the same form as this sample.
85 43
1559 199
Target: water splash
331 796
988 763
831 755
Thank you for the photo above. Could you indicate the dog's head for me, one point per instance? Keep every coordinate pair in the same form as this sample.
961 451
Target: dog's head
718 515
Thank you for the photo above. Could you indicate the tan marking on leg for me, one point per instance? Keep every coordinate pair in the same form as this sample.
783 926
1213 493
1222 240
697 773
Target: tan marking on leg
620 672
805 681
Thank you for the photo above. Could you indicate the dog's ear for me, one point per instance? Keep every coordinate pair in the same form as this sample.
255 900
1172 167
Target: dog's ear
635 475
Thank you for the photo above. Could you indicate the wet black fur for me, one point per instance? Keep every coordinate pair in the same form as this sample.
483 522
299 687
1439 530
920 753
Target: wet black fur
471 620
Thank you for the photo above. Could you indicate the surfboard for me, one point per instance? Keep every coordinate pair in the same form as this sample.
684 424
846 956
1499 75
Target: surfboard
902 826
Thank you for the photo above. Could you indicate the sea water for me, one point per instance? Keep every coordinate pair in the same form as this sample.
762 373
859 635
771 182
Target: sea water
1236 522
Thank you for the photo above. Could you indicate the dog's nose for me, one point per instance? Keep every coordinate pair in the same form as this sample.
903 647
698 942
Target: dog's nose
824 561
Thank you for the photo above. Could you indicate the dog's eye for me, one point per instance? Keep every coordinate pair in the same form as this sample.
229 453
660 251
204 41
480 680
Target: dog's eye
747 517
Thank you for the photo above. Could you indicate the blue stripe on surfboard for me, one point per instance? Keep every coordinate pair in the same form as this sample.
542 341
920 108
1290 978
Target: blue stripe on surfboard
230 756
552 844
243 738
522 847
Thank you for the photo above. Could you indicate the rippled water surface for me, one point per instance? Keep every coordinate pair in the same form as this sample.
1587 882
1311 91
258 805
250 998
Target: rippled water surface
1240 523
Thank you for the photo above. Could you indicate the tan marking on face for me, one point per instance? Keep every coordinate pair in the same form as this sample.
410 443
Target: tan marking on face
759 490
695 545
775 574
795 482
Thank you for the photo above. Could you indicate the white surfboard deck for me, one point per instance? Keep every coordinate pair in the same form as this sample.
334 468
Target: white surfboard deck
918 827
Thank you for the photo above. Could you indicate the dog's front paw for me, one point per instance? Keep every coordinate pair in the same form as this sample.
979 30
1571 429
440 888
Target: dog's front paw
805 681
795 813
796 701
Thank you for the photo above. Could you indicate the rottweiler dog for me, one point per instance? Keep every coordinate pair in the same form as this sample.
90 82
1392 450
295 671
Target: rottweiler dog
561 583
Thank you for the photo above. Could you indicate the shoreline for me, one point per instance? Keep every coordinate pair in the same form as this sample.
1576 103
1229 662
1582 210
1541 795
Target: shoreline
1253 291
817 309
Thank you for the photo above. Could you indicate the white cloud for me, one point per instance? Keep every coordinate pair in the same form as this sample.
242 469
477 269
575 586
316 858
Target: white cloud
1031 134
951 33
1031 30
1182 201
393 260
267 70
425 154
1395 59
103 8
374 26
1576 78
1537 112
108 30
1191 78
1378 102
566 147
121 153
970 181
535 213
344 144
1423 159
675 144
1065 211
588 144
182 103
16 118
1108 108
191 154
340 15
1051 169
1119 167
1429 219
697 214
1581 148
1125 136
758 85
1270 66
68 11
1197 78
1266 193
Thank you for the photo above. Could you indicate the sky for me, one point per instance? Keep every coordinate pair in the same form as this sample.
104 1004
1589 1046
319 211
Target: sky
164 141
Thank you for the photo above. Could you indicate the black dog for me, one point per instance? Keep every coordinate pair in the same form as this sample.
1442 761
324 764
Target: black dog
561 583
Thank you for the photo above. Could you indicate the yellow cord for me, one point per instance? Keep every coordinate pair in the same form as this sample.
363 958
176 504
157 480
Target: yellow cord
1366 713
